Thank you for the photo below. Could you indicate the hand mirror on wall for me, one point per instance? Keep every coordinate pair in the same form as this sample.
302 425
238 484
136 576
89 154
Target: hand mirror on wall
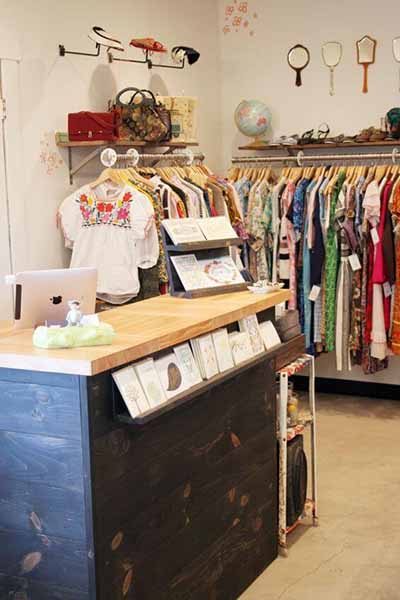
366 56
396 52
332 55
298 58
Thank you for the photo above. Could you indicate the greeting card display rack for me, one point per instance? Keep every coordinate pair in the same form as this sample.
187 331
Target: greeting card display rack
206 249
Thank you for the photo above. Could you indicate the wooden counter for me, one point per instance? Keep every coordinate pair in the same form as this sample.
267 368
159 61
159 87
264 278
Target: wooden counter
143 328
181 508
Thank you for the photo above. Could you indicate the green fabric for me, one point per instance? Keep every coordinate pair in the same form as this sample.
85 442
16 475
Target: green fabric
73 337
331 268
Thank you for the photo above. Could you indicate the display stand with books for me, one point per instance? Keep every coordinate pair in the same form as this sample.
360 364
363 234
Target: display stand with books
198 257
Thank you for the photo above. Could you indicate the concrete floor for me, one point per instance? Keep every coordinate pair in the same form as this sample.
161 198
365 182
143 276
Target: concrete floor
355 552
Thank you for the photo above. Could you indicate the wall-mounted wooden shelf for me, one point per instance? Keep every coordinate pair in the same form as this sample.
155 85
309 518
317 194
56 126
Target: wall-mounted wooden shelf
99 146
293 148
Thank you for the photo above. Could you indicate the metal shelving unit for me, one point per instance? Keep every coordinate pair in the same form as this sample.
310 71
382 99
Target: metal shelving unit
286 434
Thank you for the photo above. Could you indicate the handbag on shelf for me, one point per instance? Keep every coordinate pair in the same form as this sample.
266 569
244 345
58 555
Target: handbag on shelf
142 118
183 110
86 126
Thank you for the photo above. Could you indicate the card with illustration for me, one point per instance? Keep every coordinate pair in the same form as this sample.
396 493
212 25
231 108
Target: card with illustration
188 364
223 349
250 324
150 382
183 230
131 391
217 228
189 272
269 335
171 375
220 271
240 346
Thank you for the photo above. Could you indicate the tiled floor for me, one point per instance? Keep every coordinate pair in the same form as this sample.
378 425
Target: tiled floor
355 552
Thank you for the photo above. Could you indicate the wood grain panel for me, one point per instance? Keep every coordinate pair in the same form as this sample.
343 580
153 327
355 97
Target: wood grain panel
142 329
40 459
26 506
175 437
22 588
174 566
43 409
41 558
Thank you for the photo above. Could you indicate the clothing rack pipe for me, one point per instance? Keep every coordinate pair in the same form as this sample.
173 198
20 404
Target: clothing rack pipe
301 157
109 156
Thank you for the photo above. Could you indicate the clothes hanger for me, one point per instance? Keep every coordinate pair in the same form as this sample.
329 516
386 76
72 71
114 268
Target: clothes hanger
108 174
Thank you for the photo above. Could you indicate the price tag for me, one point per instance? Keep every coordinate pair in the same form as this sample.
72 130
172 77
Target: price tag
355 262
314 293
387 289
374 236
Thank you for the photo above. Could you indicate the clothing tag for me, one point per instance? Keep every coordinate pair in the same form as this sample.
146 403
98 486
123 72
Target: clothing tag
355 262
314 293
387 289
374 236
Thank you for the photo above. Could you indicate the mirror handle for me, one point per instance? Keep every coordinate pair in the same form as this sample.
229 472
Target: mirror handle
331 84
298 77
365 82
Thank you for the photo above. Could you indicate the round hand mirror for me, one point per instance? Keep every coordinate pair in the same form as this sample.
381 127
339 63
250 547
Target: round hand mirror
298 58
332 55
396 52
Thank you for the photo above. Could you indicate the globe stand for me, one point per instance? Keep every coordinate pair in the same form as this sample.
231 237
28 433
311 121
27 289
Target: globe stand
258 142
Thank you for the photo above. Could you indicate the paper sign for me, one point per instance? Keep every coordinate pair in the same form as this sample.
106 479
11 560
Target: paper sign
374 236
355 262
314 293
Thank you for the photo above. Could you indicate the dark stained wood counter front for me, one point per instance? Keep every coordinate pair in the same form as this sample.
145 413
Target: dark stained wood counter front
182 508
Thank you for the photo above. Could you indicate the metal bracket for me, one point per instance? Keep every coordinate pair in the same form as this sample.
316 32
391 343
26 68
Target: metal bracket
62 51
147 61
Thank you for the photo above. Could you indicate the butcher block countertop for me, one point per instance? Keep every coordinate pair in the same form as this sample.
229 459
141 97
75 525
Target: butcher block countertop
142 329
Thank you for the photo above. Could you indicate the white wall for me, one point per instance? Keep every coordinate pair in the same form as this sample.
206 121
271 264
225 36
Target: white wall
51 86
255 66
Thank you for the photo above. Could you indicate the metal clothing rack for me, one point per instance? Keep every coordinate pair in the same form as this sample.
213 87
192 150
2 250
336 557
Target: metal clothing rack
109 157
300 157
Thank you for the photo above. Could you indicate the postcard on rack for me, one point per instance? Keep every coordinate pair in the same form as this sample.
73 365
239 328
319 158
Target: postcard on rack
150 382
223 349
183 231
269 335
131 391
189 271
207 356
188 364
240 346
171 375
250 324
220 271
217 228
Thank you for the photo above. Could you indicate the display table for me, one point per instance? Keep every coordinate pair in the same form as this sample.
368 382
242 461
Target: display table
182 507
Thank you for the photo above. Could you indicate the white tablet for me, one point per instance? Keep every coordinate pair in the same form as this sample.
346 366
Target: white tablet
43 295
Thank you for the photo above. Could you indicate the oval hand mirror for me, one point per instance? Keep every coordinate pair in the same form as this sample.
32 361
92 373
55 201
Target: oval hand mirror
396 52
366 56
332 55
298 58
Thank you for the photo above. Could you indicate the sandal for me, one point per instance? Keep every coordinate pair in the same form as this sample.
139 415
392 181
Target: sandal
306 138
364 135
338 139
149 44
323 133
377 135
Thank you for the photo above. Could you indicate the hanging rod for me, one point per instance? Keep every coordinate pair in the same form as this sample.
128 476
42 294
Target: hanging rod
109 156
301 157
147 61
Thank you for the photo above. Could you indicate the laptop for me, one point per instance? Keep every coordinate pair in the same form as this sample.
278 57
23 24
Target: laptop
42 296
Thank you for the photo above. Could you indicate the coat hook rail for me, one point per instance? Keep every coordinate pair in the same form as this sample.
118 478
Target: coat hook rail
300 157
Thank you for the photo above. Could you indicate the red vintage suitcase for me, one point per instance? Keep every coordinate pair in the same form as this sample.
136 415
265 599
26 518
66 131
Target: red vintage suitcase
88 126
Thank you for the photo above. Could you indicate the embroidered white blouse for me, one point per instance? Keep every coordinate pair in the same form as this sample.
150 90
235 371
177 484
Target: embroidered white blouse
111 227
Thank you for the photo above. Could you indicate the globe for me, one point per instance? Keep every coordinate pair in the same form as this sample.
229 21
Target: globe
253 118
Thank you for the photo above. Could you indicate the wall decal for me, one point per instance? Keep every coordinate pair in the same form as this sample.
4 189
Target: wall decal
239 17
49 156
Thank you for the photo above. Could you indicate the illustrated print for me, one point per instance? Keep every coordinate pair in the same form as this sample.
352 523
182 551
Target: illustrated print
49 157
239 17
174 377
